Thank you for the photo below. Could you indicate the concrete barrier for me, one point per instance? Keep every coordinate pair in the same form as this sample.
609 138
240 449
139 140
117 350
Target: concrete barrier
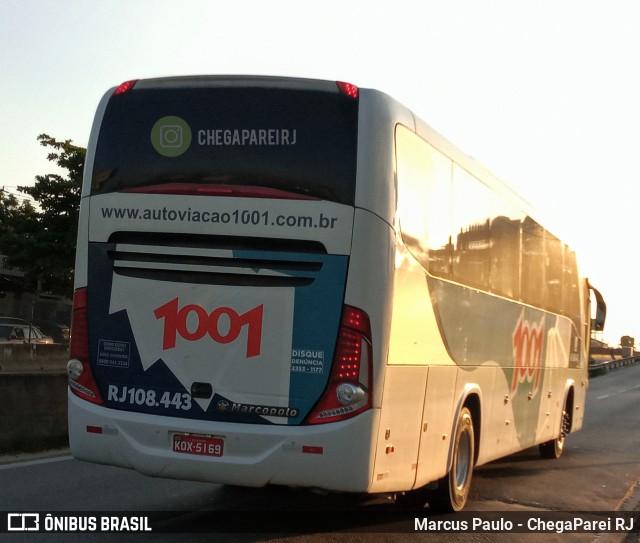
20 358
33 398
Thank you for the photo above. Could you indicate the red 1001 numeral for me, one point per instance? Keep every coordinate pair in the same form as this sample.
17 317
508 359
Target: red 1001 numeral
175 322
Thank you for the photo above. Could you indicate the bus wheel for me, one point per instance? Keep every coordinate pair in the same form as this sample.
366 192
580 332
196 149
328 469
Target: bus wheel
555 447
453 489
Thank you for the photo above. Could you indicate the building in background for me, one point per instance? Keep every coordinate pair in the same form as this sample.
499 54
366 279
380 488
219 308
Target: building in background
51 313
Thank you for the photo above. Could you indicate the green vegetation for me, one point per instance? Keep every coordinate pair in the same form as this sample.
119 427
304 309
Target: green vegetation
41 239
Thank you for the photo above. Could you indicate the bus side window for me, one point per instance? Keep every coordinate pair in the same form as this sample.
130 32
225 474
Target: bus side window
486 236
424 201
532 273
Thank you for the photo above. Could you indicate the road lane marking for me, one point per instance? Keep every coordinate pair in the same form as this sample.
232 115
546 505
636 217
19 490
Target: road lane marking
616 393
29 463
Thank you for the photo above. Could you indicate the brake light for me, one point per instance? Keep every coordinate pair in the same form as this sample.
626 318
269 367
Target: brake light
125 87
199 189
350 384
349 89
81 379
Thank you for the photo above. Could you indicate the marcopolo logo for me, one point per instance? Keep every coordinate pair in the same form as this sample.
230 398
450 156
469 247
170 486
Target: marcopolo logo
171 136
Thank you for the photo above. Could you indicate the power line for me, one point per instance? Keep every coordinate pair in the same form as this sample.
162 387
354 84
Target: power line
20 196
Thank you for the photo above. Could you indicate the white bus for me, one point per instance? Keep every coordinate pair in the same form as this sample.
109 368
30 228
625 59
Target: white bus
298 282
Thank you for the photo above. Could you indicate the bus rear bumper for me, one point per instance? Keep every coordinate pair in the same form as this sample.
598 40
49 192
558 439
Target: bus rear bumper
336 456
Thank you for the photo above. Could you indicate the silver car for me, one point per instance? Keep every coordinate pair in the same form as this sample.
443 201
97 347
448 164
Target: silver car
21 332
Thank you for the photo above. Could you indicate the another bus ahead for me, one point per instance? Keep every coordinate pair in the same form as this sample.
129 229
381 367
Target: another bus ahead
298 282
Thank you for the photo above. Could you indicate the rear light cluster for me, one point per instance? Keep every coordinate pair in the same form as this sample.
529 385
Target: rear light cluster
125 87
349 390
81 379
198 189
348 88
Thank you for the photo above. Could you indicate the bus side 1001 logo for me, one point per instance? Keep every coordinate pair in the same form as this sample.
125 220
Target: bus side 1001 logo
175 323
527 352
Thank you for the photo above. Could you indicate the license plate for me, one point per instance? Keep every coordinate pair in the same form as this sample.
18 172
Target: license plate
198 445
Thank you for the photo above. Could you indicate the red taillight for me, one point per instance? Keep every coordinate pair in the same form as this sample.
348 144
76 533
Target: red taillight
124 87
81 379
79 342
349 390
347 88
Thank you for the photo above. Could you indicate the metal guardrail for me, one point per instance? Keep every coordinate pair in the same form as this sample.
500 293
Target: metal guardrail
597 367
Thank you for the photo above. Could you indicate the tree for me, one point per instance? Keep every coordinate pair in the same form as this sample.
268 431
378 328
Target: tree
12 213
41 240
16 219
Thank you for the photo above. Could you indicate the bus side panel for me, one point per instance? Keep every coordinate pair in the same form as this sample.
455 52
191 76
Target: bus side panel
498 430
370 286
437 417
582 381
418 359
80 272
415 335
400 427
378 116
581 386
528 345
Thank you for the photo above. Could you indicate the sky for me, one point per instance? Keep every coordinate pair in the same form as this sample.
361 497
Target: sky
545 93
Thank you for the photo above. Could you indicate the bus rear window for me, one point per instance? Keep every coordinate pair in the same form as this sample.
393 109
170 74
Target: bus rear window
302 141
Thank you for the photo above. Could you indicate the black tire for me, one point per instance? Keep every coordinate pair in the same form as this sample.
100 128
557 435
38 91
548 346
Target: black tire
453 489
553 449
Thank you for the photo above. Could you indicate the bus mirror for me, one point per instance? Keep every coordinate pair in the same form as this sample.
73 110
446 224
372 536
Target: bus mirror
597 322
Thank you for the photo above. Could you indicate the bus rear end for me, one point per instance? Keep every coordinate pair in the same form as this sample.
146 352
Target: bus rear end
210 337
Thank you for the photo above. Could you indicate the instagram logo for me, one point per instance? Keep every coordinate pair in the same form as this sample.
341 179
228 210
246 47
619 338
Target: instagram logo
171 136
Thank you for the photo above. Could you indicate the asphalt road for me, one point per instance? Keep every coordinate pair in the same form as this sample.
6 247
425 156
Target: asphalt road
599 471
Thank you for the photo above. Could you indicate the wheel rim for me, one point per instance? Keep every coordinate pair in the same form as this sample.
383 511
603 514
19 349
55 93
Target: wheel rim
565 427
463 461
